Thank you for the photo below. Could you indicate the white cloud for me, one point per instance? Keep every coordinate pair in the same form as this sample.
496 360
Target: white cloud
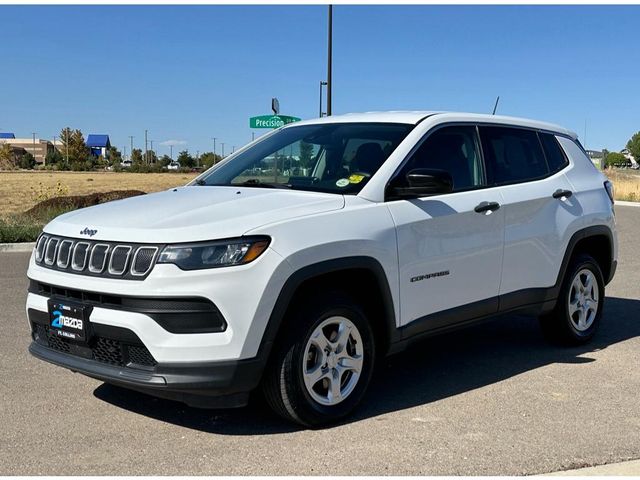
169 143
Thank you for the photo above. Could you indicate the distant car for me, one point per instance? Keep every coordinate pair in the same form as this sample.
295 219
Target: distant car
125 163
173 166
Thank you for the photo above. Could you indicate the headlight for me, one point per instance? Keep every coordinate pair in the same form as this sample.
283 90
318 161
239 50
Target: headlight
223 253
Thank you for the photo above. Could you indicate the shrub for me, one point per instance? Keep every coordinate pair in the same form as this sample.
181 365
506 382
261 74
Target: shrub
19 228
84 166
26 161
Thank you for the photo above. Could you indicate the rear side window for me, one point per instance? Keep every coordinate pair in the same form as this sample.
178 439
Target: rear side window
556 158
512 155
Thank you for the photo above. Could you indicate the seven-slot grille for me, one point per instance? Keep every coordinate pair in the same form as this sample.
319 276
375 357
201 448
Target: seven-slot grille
96 258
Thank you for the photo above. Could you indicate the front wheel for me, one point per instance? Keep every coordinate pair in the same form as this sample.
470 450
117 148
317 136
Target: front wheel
578 310
322 365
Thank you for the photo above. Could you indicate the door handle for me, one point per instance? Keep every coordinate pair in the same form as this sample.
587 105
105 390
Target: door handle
487 207
562 193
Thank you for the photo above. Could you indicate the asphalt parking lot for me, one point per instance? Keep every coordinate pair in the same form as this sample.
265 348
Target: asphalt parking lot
491 400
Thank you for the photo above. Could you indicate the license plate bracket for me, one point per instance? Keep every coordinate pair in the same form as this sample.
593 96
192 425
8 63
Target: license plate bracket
69 320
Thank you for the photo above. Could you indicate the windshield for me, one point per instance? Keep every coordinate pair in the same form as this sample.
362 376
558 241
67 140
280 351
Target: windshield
330 157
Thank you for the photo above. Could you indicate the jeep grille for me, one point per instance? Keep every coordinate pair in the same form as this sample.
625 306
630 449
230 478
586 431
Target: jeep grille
96 258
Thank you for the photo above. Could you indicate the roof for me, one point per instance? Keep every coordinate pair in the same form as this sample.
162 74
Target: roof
7 135
414 117
16 141
98 141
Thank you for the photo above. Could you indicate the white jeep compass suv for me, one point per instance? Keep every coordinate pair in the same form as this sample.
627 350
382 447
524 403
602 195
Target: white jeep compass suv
297 261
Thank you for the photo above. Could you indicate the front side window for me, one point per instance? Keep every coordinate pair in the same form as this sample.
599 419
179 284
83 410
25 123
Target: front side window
333 158
453 150
512 155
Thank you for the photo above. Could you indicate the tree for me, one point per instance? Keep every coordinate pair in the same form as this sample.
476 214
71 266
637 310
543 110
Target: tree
633 145
207 159
306 154
136 156
152 157
114 155
26 161
7 158
185 159
164 160
73 146
54 157
613 159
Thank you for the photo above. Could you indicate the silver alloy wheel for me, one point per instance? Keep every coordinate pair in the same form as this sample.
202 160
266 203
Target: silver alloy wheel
332 361
583 300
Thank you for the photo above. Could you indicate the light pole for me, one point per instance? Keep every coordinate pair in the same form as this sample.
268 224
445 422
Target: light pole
222 143
171 152
151 142
34 145
146 148
329 55
131 152
214 145
322 84
233 149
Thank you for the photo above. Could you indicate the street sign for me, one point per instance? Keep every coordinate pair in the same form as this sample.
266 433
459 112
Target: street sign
275 106
271 121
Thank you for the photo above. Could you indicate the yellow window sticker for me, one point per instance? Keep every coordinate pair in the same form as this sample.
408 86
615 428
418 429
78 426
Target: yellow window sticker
356 178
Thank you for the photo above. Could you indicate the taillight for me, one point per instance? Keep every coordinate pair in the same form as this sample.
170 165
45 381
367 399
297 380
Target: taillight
608 186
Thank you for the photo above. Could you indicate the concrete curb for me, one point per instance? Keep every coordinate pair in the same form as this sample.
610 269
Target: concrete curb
627 204
631 468
17 247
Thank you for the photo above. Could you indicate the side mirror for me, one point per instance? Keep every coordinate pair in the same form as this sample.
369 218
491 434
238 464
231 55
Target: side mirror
422 182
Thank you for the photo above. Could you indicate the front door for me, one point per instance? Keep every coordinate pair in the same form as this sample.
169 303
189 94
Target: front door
450 246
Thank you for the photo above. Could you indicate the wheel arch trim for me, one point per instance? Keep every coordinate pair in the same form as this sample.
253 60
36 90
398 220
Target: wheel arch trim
309 272
577 237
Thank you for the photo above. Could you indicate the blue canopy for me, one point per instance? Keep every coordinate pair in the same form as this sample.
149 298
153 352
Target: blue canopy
98 141
7 135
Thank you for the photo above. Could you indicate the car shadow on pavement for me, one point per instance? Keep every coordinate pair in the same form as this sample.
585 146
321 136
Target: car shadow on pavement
434 369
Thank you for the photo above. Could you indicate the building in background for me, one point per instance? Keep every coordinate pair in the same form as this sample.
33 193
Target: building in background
99 145
38 147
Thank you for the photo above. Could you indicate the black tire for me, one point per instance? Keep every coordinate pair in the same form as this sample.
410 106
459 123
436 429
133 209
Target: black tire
283 382
557 326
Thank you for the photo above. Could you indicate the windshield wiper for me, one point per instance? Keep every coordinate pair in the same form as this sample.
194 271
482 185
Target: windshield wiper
200 182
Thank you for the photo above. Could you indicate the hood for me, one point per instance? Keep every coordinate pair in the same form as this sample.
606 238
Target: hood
190 214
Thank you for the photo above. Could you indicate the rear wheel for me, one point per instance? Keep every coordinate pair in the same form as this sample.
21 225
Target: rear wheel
578 310
322 365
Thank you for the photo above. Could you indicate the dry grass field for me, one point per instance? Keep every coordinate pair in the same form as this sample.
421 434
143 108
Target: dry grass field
626 184
19 191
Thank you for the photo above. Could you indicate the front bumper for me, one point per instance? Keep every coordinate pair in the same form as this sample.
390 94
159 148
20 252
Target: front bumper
203 385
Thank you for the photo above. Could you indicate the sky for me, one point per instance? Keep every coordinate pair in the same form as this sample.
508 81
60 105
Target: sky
190 73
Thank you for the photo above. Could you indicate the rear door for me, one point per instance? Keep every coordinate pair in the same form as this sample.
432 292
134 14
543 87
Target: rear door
450 255
537 207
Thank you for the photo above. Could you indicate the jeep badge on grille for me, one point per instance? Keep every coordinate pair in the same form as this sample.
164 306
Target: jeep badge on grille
88 231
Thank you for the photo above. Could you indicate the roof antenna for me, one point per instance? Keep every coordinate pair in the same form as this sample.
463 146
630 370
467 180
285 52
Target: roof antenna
495 107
